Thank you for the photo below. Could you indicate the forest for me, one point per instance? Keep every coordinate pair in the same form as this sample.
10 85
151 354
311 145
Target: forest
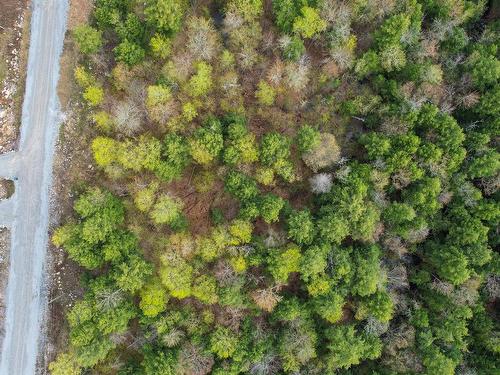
286 187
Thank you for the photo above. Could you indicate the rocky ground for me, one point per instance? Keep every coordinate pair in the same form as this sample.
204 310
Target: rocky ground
14 38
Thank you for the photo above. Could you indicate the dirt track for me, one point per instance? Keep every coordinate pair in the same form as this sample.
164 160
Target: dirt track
26 213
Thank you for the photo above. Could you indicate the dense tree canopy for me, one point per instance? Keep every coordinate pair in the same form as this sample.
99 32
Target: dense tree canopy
299 187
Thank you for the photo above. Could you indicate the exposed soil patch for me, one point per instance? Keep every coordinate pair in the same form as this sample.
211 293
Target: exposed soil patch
6 189
14 41
4 269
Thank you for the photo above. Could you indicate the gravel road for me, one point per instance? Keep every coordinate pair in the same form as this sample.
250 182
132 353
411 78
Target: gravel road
26 213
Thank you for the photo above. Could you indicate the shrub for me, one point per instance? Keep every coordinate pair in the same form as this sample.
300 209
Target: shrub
307 138
129 52
94 95
160 45
166 210
89 40
201 83
265 94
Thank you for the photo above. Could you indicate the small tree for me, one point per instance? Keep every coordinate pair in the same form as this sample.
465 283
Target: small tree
321 183
292 47
286 11
207 142
270 207
398 213
378 305
309 23
154 298
131 274
346 347
275 153
241 231
89 40
145 198
104 150
301 227
241 186
94 95
166 210
297 344
265 94
157 95
450 263
129 52
65 364
329 307
201 83
333 228
165 15
177 275
205 289
223 342
307 139
159 363
282 262
160 45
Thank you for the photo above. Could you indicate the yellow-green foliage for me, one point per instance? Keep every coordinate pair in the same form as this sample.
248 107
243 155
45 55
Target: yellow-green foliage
154 298
249 9
103 121
284 261
205 289
238 263
265 93
189 111
94 95
265 176
241 231
166 210
200 84
82 77
160 45
309 24
104 150
145 198
220 129
157 95
65 364
62 234
177 275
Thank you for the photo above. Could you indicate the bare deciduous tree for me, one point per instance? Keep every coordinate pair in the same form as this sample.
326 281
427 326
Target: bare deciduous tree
321 183
127 117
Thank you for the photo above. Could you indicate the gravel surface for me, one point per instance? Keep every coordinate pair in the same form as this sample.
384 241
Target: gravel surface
26 213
